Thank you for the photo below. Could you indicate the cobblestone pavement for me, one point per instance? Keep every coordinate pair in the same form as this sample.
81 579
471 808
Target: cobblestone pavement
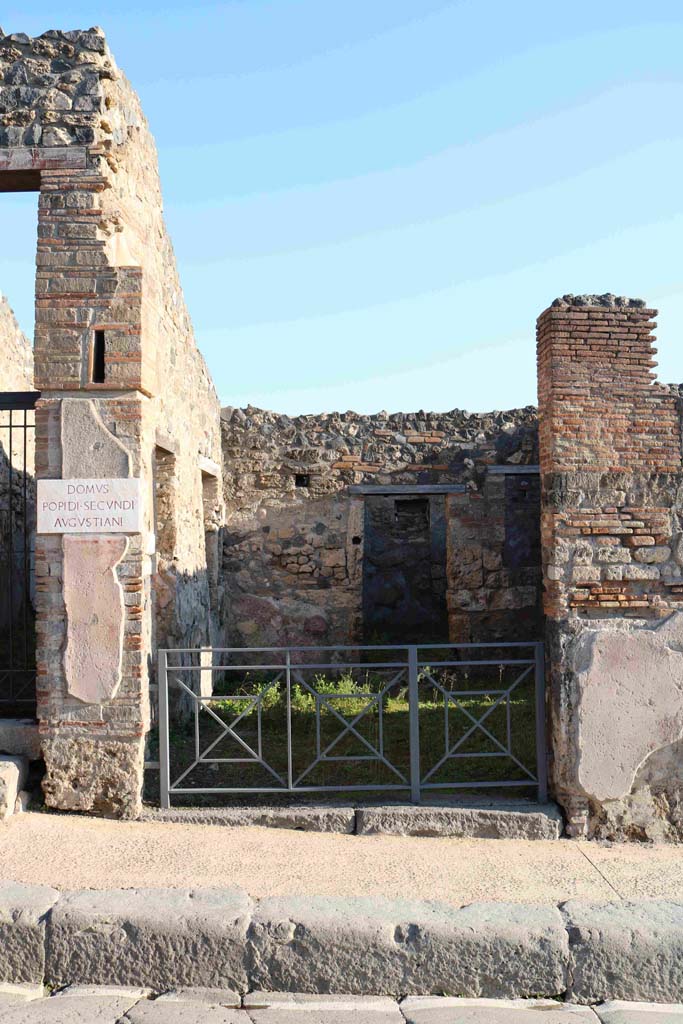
81 1005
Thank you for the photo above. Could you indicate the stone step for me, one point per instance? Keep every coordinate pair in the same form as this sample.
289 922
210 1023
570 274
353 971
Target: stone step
20 736
13 777
483 818
486 819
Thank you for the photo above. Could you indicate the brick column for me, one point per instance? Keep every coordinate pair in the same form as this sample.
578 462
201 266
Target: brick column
610 456
92 591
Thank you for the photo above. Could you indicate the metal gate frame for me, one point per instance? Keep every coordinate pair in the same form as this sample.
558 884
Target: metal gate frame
410 659
18 674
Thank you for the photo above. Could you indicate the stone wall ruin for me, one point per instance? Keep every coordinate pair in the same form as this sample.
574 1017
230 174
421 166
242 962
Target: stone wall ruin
264 529
71 128
612 480
304 495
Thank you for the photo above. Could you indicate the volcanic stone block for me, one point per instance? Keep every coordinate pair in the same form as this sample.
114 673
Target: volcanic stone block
435 1010
507 820
625 950
618 1012
319 944
23 910
13 775
158 938
299 1008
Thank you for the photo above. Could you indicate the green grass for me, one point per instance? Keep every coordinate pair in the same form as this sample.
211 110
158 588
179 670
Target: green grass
344 692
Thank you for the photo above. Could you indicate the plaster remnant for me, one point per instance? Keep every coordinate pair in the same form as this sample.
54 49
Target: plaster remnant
94 602
631 705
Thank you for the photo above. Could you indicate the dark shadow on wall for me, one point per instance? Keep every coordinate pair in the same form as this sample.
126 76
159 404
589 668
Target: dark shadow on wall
17 554
404 569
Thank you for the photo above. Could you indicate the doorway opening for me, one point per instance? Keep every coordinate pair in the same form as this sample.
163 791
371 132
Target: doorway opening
404 569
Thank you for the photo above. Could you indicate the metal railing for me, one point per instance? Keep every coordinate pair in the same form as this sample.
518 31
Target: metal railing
416 719
17 535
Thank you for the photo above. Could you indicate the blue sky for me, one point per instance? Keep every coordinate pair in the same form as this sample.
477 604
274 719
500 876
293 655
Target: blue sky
372 200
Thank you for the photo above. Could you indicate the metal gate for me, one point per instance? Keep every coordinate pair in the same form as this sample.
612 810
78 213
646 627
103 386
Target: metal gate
17 532
413 719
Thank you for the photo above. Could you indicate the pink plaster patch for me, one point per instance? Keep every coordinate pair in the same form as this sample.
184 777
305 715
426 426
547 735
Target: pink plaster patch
95 616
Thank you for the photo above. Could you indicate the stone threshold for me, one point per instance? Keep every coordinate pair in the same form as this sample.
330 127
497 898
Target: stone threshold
168 939
476 818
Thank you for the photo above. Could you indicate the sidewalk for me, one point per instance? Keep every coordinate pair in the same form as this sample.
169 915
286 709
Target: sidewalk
74 852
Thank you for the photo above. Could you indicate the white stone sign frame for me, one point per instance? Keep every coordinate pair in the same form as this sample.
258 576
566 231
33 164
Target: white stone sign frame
88 505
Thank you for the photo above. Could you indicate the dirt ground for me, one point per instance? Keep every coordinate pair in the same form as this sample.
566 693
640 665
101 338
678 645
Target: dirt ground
71 852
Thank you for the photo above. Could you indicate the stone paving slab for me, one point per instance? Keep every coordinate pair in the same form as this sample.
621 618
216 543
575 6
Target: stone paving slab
311 1008
445 1010
112 1005
19 993
158 1011
76 1009
618 1012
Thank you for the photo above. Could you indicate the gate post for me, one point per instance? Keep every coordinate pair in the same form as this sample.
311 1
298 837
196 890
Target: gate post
541 757
414 717
164 753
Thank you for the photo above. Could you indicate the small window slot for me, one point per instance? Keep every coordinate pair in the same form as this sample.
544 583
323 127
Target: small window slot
302 480
97 361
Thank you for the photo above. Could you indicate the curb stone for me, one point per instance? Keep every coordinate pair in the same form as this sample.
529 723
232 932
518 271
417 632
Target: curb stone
323 944
173 940
23 913
156 938
627 950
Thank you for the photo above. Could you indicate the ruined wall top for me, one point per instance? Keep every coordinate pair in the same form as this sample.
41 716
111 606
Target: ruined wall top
51 89
265 451
605 301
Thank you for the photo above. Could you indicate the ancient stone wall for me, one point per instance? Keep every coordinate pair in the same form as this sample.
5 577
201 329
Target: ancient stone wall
612 480
116 362
16 354
296 490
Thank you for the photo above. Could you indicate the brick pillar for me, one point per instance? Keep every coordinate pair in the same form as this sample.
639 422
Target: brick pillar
93 607
610 457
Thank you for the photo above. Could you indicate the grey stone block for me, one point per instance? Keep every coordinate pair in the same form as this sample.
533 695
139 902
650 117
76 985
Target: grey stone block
164 1011
158 938
218 996
23 912
430 1010
292 1007
18 993
504 820
625 950
76 1009
305 819
13 776
619 1012
20 736
319 944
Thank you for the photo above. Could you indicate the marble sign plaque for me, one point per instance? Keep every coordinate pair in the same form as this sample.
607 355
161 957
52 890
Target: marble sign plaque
90 506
